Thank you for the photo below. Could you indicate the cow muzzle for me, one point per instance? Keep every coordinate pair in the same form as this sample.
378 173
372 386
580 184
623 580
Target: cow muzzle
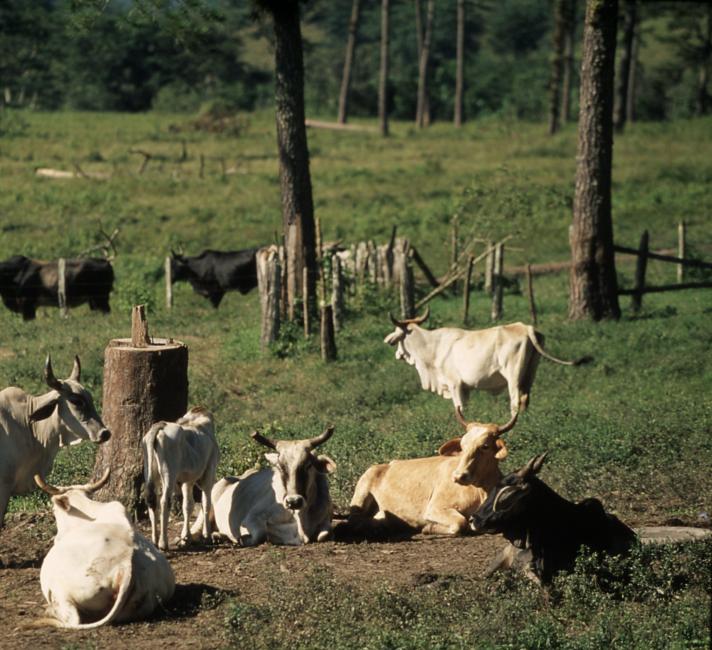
294 502
103 435
461 478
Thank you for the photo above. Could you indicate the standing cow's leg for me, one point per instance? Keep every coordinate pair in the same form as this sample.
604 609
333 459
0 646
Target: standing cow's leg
187 490
206 488
215 298
28 310
101 303
169 481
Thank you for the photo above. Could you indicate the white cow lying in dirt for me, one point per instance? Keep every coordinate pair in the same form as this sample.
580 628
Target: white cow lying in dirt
183 453
288 503
99 569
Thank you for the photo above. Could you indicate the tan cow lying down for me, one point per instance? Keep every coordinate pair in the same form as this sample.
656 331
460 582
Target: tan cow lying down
452 362
434 495
99 569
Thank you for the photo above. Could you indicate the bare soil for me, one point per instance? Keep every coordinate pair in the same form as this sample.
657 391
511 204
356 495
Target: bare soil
210 577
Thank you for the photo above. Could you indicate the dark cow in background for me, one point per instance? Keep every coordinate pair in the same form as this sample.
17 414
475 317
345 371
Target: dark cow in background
26 284
545 531
212 273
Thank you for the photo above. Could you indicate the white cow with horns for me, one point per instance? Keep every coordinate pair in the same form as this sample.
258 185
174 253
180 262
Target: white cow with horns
452 361
288 503
33 428
99 569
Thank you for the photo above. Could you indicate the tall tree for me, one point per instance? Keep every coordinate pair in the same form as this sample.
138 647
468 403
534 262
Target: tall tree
593 284
557 65
632 79
568 62
348 61
383 79
460 64
294 175
422 104
620 111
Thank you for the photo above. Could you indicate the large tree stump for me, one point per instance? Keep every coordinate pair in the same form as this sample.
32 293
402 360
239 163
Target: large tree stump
144 382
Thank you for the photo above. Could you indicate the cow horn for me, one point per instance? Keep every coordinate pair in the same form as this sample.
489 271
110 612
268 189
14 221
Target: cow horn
49 489
509 426
258 437
320 439
460 417
533 466
93 487
50 379
77 369
398 323
421 319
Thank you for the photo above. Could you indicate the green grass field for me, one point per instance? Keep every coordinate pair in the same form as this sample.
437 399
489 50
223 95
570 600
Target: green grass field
634 428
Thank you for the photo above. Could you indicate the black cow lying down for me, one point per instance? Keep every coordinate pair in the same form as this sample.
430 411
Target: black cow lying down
212 273
545 531
26 284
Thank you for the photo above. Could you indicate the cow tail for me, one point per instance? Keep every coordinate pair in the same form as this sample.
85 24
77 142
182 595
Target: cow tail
121 599
535 342
149 458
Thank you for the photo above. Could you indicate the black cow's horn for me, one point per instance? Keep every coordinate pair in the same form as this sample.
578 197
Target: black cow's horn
49 489
509 426
320 439
93 487
76 369
258 437
50 379
533 466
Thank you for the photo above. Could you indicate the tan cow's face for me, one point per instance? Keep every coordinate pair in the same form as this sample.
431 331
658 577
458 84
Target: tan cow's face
480 451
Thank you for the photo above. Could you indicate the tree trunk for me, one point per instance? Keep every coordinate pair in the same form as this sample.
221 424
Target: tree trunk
142 385
593 285
460 62
557 64
420 114
632 79
568 63
702 103
348 62
383 80
294 176
623 79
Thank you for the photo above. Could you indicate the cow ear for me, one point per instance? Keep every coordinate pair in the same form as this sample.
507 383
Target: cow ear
62 501
324 464
450 448
272 459
502 453
43 411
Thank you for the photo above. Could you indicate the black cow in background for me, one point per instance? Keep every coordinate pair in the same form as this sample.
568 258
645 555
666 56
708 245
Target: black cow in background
212 273
26 284
545 531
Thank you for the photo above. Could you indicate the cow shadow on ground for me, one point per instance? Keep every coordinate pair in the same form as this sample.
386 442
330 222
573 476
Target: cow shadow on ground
192 598
386 530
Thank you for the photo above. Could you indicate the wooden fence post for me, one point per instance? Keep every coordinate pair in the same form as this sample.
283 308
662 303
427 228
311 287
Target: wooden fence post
636 300
454 246
530 294
269 282
337 291
201 171
328 341
62 286
466 291
404 270
169 283
145 380
681 249
489 267
498 282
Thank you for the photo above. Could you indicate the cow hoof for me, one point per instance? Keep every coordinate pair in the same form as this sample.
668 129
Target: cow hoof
183 542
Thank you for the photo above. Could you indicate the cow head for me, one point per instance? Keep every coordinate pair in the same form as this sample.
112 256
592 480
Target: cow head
179 267
398 336
297 466
501 512
78 419
479 450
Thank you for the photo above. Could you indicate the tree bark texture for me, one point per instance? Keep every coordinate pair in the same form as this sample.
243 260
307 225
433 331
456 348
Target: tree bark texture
593 286
348 62
460 63
703 97
557 65
383 79
632 80
568 62
141 386
620 112
294 175
269 274
420 114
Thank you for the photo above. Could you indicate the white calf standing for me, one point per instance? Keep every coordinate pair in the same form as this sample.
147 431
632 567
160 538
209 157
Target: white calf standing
185 453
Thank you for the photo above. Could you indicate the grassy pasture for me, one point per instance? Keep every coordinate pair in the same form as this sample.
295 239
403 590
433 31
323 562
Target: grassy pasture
634 427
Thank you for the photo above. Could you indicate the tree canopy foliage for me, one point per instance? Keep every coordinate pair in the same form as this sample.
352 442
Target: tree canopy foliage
135 55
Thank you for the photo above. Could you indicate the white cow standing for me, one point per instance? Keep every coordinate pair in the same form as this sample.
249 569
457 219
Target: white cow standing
33 428
452 361
183 453
100 569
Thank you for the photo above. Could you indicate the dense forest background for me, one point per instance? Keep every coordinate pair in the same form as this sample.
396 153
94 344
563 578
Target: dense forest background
153 54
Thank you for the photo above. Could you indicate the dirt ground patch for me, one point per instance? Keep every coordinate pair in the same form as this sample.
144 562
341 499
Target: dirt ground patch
210 578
